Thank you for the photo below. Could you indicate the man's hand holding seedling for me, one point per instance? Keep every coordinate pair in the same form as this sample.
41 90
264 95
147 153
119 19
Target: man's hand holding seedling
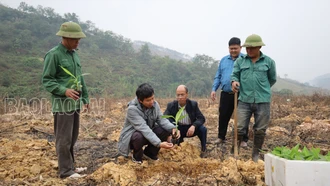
168 145
72 94
176 133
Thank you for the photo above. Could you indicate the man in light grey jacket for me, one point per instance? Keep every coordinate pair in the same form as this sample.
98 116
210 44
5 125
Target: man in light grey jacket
144 126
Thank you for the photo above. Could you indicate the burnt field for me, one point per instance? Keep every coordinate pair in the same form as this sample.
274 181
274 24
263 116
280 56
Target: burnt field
27 151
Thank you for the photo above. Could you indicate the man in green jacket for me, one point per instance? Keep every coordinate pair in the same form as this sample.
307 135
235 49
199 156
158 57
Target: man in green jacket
252 76
67 96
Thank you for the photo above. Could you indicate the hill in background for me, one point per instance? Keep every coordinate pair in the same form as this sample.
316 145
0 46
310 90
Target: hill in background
161 51
289 86
116 64
322 81
116 68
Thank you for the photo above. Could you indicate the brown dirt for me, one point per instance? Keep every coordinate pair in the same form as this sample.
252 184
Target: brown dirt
27 152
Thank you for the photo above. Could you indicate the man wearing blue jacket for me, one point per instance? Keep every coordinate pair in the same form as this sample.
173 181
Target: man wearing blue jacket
222 81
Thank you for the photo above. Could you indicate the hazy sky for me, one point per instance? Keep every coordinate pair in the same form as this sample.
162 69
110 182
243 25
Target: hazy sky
296 32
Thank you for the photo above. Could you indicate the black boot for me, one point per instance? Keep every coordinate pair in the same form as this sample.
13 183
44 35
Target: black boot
259 137
239 139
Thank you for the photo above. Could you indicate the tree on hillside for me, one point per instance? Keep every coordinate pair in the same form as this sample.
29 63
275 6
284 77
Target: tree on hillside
72 17
144 54
203 60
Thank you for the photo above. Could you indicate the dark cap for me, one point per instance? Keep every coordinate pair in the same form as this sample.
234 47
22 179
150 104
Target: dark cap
234 41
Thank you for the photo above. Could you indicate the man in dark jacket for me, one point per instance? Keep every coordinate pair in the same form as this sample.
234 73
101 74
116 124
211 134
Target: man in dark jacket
192 125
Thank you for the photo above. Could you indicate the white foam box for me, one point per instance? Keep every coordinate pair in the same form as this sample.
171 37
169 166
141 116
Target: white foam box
283 172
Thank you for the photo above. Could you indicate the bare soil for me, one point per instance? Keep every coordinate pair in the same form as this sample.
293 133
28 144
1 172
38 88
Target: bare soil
27 152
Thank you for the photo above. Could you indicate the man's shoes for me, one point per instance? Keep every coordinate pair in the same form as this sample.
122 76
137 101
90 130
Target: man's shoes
203 154
147 156
136 161
243 144
76 176
220 141
80 169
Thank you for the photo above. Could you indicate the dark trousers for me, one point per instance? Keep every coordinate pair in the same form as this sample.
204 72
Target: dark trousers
66 130
201 132
138 141
226 108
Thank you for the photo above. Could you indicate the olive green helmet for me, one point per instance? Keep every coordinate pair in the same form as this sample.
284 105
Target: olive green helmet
70 30
253 41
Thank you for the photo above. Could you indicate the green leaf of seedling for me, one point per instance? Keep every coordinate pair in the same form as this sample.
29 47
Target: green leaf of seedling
181 117
167 116
177 118
296 148
327 158
286 156
68 72
278 151
294 151
309 158
316 153
299 157
71 81
178 114
306 152
322 158
328 154
286 151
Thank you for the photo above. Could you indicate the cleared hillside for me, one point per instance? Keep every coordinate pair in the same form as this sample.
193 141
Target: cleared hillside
283 85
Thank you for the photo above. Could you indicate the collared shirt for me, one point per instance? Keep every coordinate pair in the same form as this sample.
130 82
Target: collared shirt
56 81
222 77
255 78
185 120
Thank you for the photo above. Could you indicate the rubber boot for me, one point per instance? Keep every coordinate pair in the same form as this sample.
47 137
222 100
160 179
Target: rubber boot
257 144
239 140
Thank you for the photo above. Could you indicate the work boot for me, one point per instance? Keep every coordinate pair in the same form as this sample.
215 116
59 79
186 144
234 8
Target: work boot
259 137
239 140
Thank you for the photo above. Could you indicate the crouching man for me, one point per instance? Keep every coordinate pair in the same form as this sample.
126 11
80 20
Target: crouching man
190 126
144 126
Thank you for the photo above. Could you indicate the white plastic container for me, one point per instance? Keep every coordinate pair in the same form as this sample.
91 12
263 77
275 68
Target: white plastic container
282 172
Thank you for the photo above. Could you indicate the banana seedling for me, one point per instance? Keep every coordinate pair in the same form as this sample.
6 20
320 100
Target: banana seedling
75 80
177 118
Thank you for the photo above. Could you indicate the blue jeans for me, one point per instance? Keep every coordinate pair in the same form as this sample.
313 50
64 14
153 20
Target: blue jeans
261 112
